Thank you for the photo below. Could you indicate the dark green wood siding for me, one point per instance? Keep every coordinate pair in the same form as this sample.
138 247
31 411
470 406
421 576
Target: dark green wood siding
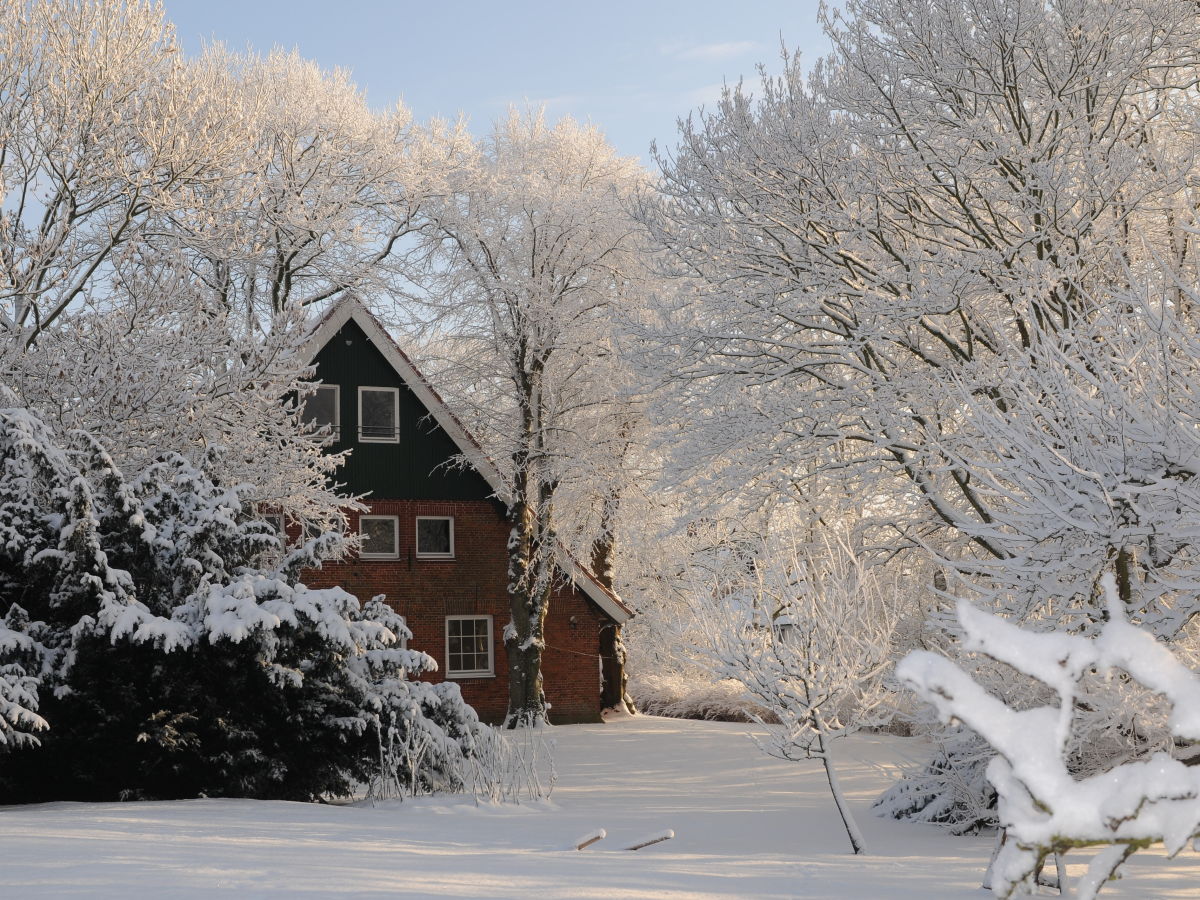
419 467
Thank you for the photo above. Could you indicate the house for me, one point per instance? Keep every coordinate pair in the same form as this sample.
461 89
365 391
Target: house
435 533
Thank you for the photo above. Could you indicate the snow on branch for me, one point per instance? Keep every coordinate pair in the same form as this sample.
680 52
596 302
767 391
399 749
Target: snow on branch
1042 807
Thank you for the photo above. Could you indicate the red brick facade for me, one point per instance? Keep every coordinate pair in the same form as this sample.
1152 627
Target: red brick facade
474 583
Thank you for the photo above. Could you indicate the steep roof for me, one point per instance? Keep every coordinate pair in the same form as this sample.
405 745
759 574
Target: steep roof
351 308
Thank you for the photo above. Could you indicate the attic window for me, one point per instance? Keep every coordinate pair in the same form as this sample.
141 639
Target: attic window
435 537
321 407
379 415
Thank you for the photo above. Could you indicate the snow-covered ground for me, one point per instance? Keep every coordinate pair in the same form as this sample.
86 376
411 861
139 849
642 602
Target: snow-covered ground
746 826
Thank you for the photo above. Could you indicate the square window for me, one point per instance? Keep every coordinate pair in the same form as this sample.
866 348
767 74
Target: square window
435 537
322 407
468 646
379 415
380 537
311 531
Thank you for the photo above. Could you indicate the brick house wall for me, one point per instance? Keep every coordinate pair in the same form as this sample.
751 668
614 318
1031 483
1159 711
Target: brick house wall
474 583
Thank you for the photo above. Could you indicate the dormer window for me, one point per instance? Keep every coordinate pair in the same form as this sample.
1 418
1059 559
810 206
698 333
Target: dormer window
379 415
322 407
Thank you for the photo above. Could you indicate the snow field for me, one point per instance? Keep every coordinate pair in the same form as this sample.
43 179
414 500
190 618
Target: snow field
746 826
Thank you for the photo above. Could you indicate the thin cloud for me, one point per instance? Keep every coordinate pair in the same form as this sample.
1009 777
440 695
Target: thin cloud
703 96
708 52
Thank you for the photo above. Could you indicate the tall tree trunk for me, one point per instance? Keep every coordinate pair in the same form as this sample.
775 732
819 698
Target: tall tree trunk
529 583
524 638
615 690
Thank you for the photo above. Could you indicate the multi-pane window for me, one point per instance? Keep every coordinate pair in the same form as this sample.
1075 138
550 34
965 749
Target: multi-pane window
380 537
275 520
468 646
273 555
379 415
322 407
435 537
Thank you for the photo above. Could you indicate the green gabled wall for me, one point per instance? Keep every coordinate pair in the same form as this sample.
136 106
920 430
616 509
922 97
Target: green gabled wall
418 467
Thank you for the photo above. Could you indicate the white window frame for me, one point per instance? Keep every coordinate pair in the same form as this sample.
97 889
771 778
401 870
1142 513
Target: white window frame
336 427
308 532
417 538
395 438
279 526
490 671
395 551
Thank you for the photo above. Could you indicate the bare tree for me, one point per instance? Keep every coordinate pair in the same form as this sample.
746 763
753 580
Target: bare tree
807 631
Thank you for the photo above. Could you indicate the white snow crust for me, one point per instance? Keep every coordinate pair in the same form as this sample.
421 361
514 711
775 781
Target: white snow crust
746 826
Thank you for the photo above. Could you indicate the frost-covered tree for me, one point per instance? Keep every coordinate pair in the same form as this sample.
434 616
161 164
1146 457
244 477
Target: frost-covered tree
146 653
950 272
159 369
102 128
902 252
1044 808
269 179
316 202
807 633
164 222
530 251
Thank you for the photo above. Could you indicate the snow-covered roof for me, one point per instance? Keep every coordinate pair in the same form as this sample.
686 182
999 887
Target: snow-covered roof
351 308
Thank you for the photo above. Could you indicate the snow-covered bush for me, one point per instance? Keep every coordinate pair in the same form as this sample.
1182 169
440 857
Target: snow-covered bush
949 789
1043 807
695 695
143 653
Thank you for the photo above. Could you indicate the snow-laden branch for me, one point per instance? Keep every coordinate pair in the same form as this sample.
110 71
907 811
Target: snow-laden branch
1043 807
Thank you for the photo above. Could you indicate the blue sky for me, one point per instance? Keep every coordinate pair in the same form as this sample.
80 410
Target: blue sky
631 68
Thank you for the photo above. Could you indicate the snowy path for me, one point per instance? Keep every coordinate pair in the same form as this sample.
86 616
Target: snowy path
746 827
